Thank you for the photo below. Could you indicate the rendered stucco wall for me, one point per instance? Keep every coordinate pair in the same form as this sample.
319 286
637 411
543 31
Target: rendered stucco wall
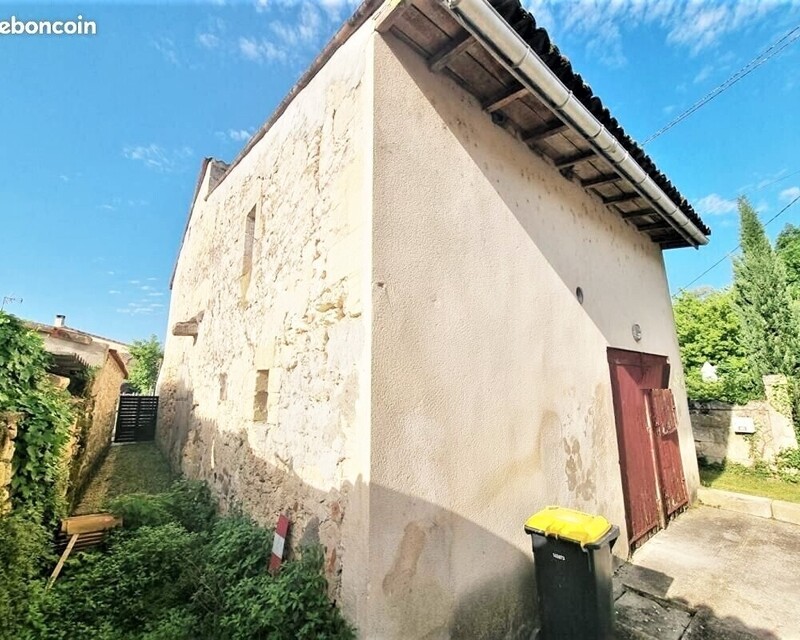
270 402
491 392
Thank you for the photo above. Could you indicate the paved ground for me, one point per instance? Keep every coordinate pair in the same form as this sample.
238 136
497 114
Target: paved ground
713 574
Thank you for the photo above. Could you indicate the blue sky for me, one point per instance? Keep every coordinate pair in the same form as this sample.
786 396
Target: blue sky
103 136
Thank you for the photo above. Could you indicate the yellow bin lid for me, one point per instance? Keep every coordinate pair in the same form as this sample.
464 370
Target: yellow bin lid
576 526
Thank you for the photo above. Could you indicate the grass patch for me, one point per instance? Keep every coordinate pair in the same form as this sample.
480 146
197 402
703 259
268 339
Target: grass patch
127 469
734 477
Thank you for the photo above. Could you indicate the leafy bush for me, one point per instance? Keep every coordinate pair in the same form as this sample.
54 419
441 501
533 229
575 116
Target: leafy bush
40 472
24 555
788 464
188 503
176 571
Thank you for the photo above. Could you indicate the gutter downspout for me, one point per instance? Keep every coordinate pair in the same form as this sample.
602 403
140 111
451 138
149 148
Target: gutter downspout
481 20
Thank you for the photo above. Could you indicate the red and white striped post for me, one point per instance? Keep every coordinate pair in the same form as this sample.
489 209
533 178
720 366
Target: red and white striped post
278 544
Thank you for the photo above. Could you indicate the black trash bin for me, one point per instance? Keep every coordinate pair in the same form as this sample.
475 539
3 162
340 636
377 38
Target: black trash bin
572 558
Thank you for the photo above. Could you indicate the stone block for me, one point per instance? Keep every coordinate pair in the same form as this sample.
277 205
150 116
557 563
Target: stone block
786 511
275 378
265 355
344 257
730 501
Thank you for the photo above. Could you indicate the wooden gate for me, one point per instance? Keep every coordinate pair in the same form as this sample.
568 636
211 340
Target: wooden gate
664 427
650 464
136 418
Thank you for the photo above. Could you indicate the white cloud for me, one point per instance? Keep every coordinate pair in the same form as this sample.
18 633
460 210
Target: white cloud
703 74
158 158
166 47
297 26
261 50
64 178
155 294
107 207
237 135
787 195
715 205
114 292
208 40
691 25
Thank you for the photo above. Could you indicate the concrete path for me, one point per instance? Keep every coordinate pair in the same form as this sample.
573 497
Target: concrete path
713 574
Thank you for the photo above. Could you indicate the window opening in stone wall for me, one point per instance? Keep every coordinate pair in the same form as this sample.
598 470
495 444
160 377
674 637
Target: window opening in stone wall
249 240
261 396
223 387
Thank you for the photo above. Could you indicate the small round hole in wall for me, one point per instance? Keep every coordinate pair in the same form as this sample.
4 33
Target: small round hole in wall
579 295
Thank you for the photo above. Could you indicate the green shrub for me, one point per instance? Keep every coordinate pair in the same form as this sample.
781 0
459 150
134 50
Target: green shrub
788 464
40 471
24 557
188 503
175 571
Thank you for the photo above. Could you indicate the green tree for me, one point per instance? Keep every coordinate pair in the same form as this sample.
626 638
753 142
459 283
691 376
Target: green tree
762 301
147 356
709 331
787 246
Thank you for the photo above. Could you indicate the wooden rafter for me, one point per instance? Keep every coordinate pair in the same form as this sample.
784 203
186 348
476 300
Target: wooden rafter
545 131
583 156
505 98
654 226
601 180
622 197
447 54
638 213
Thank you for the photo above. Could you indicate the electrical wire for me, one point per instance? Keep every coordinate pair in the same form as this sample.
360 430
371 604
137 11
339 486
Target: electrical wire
730 253
774 49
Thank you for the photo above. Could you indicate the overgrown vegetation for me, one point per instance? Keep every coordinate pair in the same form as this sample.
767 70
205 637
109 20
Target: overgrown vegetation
147 356
40 471
176 571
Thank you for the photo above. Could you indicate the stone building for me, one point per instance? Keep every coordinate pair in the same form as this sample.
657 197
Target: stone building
420 305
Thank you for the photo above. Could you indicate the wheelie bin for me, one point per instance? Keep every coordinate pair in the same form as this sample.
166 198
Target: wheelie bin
572 561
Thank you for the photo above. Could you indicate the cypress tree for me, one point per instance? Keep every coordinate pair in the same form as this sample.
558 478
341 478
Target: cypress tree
762 301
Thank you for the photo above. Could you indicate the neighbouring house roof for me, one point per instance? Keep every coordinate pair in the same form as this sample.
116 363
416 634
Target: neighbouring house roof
433 32
70 333
66 345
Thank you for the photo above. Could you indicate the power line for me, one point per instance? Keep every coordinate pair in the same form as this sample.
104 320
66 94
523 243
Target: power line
731 252
774 49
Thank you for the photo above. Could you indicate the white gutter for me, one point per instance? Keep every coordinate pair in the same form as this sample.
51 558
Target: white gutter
481 20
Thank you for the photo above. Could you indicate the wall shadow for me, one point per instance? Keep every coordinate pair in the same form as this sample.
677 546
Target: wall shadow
703 624
416 596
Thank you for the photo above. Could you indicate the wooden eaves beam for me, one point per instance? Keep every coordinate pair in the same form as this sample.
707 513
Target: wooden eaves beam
505 98
601 180
638 213
583 156
545 131
622 197
449 52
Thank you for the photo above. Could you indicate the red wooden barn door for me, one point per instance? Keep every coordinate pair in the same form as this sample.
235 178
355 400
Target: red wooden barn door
664 427
632 374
